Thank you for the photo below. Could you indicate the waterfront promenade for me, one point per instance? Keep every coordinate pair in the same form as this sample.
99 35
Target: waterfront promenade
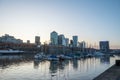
113 73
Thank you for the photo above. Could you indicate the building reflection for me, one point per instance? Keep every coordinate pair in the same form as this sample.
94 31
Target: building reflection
87 64
63 64
58 65
54 65
7 60
105 60
36 64
74 63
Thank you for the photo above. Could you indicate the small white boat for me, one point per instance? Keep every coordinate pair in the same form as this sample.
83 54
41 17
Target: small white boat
67 57
53 58
98 54
10 51
39 56
89 55
64 57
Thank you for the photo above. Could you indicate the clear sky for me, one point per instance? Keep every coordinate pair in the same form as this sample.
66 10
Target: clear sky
91 20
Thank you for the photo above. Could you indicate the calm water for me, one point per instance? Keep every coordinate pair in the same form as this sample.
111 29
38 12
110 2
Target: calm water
23 67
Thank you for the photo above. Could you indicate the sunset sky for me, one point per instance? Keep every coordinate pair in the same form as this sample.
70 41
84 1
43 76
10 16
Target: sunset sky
91 20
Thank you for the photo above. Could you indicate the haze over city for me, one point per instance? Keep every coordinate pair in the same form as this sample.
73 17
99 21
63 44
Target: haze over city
91 20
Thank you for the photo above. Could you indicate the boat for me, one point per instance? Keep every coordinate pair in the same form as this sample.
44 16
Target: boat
99 54
10 51
64 57
89 55
39 56
53 58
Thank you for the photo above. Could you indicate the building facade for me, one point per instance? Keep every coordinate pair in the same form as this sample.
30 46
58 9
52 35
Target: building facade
37 40
54 38
61 40
71 43
82 44
28 41
10 39
75 41
104 46
67 42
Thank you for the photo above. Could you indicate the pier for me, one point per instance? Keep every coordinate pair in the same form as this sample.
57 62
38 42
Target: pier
113 73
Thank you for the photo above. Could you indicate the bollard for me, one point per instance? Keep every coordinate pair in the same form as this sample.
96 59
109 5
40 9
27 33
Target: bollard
117 63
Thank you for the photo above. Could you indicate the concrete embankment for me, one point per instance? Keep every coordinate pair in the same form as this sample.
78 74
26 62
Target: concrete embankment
113 73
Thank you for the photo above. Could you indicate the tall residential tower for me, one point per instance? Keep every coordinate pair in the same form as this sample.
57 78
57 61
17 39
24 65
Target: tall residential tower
61 40
75 41
104 46
54 38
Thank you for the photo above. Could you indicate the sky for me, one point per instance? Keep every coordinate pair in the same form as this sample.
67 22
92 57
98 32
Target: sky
91 20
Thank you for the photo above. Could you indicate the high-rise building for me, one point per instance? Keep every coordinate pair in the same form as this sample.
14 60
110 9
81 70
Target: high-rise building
104 46
37 40
82 44
61 40
54 38
71 43
67 42
75 41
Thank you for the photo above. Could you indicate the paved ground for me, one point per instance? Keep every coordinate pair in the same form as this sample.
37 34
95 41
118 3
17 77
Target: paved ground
112 73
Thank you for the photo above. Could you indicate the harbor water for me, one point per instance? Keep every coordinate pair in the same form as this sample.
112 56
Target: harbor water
24 67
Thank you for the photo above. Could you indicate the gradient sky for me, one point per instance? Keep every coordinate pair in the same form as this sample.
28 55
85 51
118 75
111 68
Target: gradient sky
91 20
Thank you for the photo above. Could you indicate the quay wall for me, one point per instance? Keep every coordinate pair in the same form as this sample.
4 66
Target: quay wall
113 73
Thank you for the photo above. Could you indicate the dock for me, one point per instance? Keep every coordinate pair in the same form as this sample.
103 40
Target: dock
113 73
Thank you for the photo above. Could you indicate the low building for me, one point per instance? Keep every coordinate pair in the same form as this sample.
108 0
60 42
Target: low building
10 39
28 41
37 40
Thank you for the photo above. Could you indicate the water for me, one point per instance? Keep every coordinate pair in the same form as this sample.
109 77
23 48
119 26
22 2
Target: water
24 67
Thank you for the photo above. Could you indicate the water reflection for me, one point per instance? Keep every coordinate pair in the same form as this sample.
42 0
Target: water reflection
58 65
36 64
7 60
75 64
84 69
62 64
53 66
105 60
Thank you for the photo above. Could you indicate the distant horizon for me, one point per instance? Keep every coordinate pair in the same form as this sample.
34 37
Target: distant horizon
91 20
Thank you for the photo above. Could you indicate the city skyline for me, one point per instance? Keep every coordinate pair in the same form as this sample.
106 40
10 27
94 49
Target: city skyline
91 20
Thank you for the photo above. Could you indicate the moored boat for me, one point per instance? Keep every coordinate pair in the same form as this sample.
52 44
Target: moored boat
39 56
53 58
10 51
